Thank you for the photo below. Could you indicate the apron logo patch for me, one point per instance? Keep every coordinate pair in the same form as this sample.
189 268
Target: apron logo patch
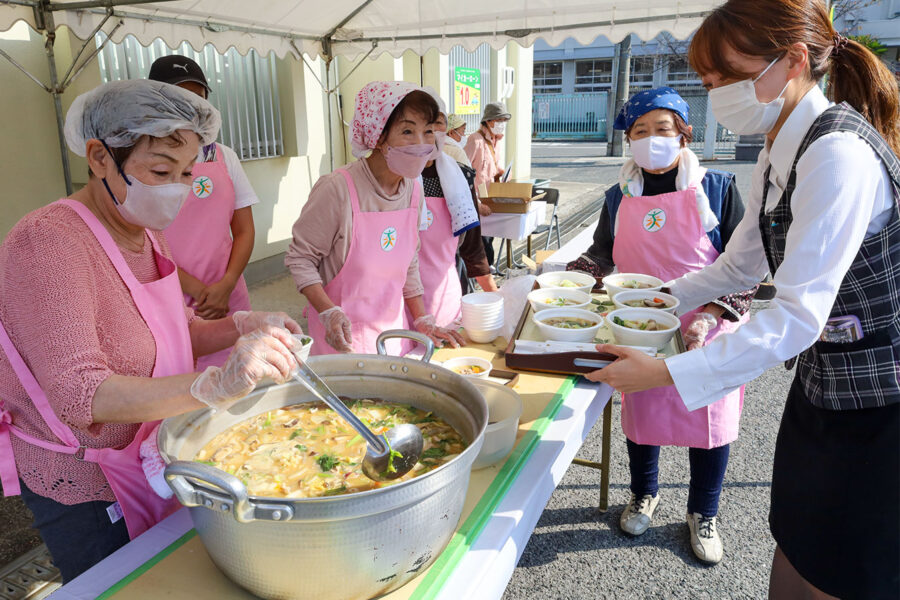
202 186
388 239
429 218
654 220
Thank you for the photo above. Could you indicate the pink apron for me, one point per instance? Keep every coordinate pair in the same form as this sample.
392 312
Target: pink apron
437 264
200 238
662 236
161 306
369 286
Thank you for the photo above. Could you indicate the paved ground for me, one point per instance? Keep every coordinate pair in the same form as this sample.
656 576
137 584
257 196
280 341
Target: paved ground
576 552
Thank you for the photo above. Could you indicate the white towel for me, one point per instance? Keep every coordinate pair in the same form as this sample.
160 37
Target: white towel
631 182
463 214
153 466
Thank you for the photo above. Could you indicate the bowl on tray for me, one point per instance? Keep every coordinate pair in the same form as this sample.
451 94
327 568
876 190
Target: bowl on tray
646 299
625 324
622 282
568 324
546 298
469 366
572 280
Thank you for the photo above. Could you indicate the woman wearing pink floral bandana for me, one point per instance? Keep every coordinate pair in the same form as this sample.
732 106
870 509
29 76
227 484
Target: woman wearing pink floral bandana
354 253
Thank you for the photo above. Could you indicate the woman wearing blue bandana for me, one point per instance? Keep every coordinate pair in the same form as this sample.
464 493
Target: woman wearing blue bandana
668 216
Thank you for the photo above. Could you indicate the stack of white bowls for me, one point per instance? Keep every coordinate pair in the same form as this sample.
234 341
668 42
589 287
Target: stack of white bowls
482 316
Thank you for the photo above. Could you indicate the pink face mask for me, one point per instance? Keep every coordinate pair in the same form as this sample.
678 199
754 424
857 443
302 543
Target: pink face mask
408 161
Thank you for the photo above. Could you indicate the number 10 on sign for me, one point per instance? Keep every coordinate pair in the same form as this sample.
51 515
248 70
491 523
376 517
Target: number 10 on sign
467 91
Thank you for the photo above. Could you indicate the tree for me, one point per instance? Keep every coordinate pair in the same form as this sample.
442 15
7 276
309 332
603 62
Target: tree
845 13
873 44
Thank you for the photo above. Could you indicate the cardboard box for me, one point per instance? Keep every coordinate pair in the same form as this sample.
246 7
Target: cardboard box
509 197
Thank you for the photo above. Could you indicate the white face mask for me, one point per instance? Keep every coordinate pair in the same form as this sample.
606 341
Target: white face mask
656 152
498 128
463 140
737 108
150 206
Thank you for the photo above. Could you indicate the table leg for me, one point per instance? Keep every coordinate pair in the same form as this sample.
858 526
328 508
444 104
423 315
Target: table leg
604 464
509 256
530 252
605 458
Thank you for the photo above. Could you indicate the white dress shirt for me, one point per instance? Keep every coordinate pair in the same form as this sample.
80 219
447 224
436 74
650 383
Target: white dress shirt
843 194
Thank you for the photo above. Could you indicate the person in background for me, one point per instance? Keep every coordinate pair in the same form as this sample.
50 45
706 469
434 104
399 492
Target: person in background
212 237
452 232
481 148
96 343
354 252
823 217
456 140
668 216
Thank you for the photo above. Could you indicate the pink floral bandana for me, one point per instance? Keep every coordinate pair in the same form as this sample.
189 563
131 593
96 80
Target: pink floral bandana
374 105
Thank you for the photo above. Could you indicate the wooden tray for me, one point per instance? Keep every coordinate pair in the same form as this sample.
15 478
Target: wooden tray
571 363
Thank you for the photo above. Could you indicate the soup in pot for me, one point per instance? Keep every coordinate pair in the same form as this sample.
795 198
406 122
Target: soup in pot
307 450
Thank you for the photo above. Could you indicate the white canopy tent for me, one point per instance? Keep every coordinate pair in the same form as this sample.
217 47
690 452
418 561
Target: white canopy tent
340 27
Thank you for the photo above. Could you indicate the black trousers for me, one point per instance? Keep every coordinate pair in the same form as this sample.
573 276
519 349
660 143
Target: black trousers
78 535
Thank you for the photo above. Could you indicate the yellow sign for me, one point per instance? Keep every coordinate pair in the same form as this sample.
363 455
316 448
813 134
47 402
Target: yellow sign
466 91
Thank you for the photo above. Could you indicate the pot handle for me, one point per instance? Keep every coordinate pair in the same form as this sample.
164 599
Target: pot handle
410 335
228 493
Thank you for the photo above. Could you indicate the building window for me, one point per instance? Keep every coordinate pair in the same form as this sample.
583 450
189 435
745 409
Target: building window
244 89
680 73
642 68
593 75
548 77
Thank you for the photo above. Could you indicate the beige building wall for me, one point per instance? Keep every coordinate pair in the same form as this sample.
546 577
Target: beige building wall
30 165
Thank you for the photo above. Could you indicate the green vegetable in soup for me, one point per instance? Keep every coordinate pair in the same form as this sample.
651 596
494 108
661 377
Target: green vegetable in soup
639 324
567 283
327 461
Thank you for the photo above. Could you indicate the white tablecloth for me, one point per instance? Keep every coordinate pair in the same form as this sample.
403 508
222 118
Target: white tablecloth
570 250
514 226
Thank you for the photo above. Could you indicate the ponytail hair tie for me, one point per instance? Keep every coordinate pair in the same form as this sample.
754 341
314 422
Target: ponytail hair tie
839 43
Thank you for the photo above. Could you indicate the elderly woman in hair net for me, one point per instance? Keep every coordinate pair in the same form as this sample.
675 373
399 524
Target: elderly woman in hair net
96 344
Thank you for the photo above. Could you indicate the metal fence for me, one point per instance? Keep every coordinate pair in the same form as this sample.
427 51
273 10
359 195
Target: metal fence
698 103
570 116
244 89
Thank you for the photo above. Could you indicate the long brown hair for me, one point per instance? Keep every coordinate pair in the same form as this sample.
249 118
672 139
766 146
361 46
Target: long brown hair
768 28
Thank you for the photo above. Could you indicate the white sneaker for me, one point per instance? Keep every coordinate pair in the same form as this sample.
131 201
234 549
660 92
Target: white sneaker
705 540
636 517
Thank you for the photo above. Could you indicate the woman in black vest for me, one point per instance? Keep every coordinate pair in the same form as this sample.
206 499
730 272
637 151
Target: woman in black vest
823 218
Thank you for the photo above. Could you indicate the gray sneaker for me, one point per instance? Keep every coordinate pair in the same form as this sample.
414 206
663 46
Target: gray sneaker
636 517
705 540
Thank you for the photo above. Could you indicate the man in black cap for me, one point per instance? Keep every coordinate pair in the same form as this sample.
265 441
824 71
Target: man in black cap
213 235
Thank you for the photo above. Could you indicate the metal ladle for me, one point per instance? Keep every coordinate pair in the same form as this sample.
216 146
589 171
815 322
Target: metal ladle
388 456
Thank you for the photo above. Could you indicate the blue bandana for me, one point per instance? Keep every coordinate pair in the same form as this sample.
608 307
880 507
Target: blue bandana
643 102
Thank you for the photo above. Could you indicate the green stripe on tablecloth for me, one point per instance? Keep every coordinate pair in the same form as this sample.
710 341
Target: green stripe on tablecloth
117 587
465 537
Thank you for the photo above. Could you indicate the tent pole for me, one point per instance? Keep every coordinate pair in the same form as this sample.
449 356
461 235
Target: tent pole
328 93
46 22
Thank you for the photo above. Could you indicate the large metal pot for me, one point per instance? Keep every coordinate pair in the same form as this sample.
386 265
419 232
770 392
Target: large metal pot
356 546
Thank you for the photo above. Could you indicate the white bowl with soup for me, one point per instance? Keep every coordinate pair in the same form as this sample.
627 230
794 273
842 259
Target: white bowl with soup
568 324
649 327
469 366
646 299
573 280
546 298
623 282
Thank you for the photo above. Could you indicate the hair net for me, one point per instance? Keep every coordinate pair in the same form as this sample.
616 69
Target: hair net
374 105
120 112
643 102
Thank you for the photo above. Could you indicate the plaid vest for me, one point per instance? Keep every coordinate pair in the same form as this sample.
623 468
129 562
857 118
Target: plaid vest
864 373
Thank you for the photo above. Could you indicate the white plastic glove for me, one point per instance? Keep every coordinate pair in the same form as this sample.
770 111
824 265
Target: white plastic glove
338 331
696 333
427 325
246 321
265 352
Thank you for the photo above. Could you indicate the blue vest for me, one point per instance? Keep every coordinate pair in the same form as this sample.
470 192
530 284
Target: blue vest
715 184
